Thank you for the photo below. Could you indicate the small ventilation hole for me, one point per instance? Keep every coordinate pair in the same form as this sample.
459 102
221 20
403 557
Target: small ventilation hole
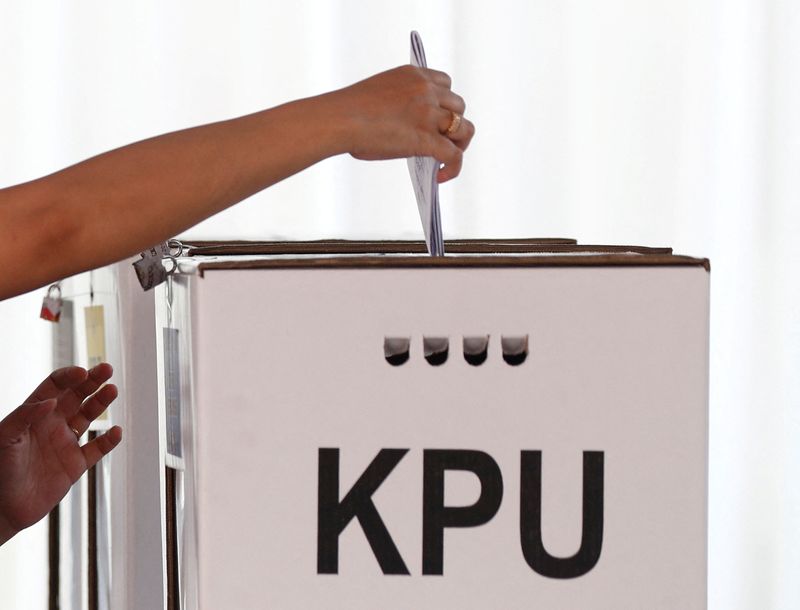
395 350
476 349
435 349
515 349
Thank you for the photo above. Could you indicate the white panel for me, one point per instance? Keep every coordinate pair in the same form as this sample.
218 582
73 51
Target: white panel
138 575
292 361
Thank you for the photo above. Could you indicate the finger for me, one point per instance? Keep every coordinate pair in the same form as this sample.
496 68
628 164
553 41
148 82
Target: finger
440 78
444 118
448 172
93 408
103 444
453 127
97 376
462 136
452 157
58 381
19 421
452 101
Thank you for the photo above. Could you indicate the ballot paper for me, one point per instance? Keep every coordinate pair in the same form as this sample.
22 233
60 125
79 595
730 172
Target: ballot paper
423 172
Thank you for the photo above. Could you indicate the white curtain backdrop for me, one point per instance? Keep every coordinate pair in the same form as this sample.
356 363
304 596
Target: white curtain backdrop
654 122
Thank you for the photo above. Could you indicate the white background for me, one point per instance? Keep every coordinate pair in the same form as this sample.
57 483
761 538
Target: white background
657 122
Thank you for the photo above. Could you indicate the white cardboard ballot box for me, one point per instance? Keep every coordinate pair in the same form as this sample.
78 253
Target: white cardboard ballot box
519 424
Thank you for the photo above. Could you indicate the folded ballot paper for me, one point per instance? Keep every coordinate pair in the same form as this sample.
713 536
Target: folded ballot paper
423 176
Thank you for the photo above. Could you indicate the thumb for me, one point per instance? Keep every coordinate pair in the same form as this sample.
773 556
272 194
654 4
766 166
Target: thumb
22 418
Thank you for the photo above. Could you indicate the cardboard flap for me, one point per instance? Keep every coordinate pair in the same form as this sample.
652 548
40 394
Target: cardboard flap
529 252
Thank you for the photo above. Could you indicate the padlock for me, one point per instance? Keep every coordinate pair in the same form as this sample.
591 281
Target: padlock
51 304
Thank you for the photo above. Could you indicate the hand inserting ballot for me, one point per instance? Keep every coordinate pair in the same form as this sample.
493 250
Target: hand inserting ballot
40 452
408 112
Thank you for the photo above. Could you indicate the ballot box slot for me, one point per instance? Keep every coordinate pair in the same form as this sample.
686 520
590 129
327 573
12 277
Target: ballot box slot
173 569
435 349
515 349
396 350
476 349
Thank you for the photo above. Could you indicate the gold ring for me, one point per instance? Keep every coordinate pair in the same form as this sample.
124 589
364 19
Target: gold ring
455 123
77 434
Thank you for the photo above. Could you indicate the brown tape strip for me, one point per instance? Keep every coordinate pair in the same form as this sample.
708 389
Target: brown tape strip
371 262
173 584
92 579
340 246
53 548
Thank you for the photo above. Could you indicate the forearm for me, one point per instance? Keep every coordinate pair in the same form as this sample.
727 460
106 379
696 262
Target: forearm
6 531
118 203
121 202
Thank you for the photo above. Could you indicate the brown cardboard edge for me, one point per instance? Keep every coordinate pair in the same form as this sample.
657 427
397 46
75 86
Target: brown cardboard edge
53 557
341 246
474 247
371 262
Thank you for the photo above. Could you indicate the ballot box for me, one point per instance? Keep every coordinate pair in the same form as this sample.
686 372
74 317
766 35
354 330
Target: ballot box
517 424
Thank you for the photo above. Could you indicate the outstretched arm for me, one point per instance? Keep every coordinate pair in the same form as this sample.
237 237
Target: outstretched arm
121 202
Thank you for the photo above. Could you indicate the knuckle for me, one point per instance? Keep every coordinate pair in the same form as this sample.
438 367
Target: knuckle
408 70
430 90
425 116
431 116
420 92
470 129
416 75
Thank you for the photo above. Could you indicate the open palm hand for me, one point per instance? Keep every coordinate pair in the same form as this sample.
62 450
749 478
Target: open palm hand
40 452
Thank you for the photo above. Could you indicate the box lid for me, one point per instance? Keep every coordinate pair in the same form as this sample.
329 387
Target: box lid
199 256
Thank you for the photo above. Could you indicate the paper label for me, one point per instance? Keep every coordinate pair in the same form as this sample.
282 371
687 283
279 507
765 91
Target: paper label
149 269
63 337
95 334
94 317
423 172
172 391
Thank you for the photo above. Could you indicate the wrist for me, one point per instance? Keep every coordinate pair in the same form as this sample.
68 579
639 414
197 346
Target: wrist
308 130
335 122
